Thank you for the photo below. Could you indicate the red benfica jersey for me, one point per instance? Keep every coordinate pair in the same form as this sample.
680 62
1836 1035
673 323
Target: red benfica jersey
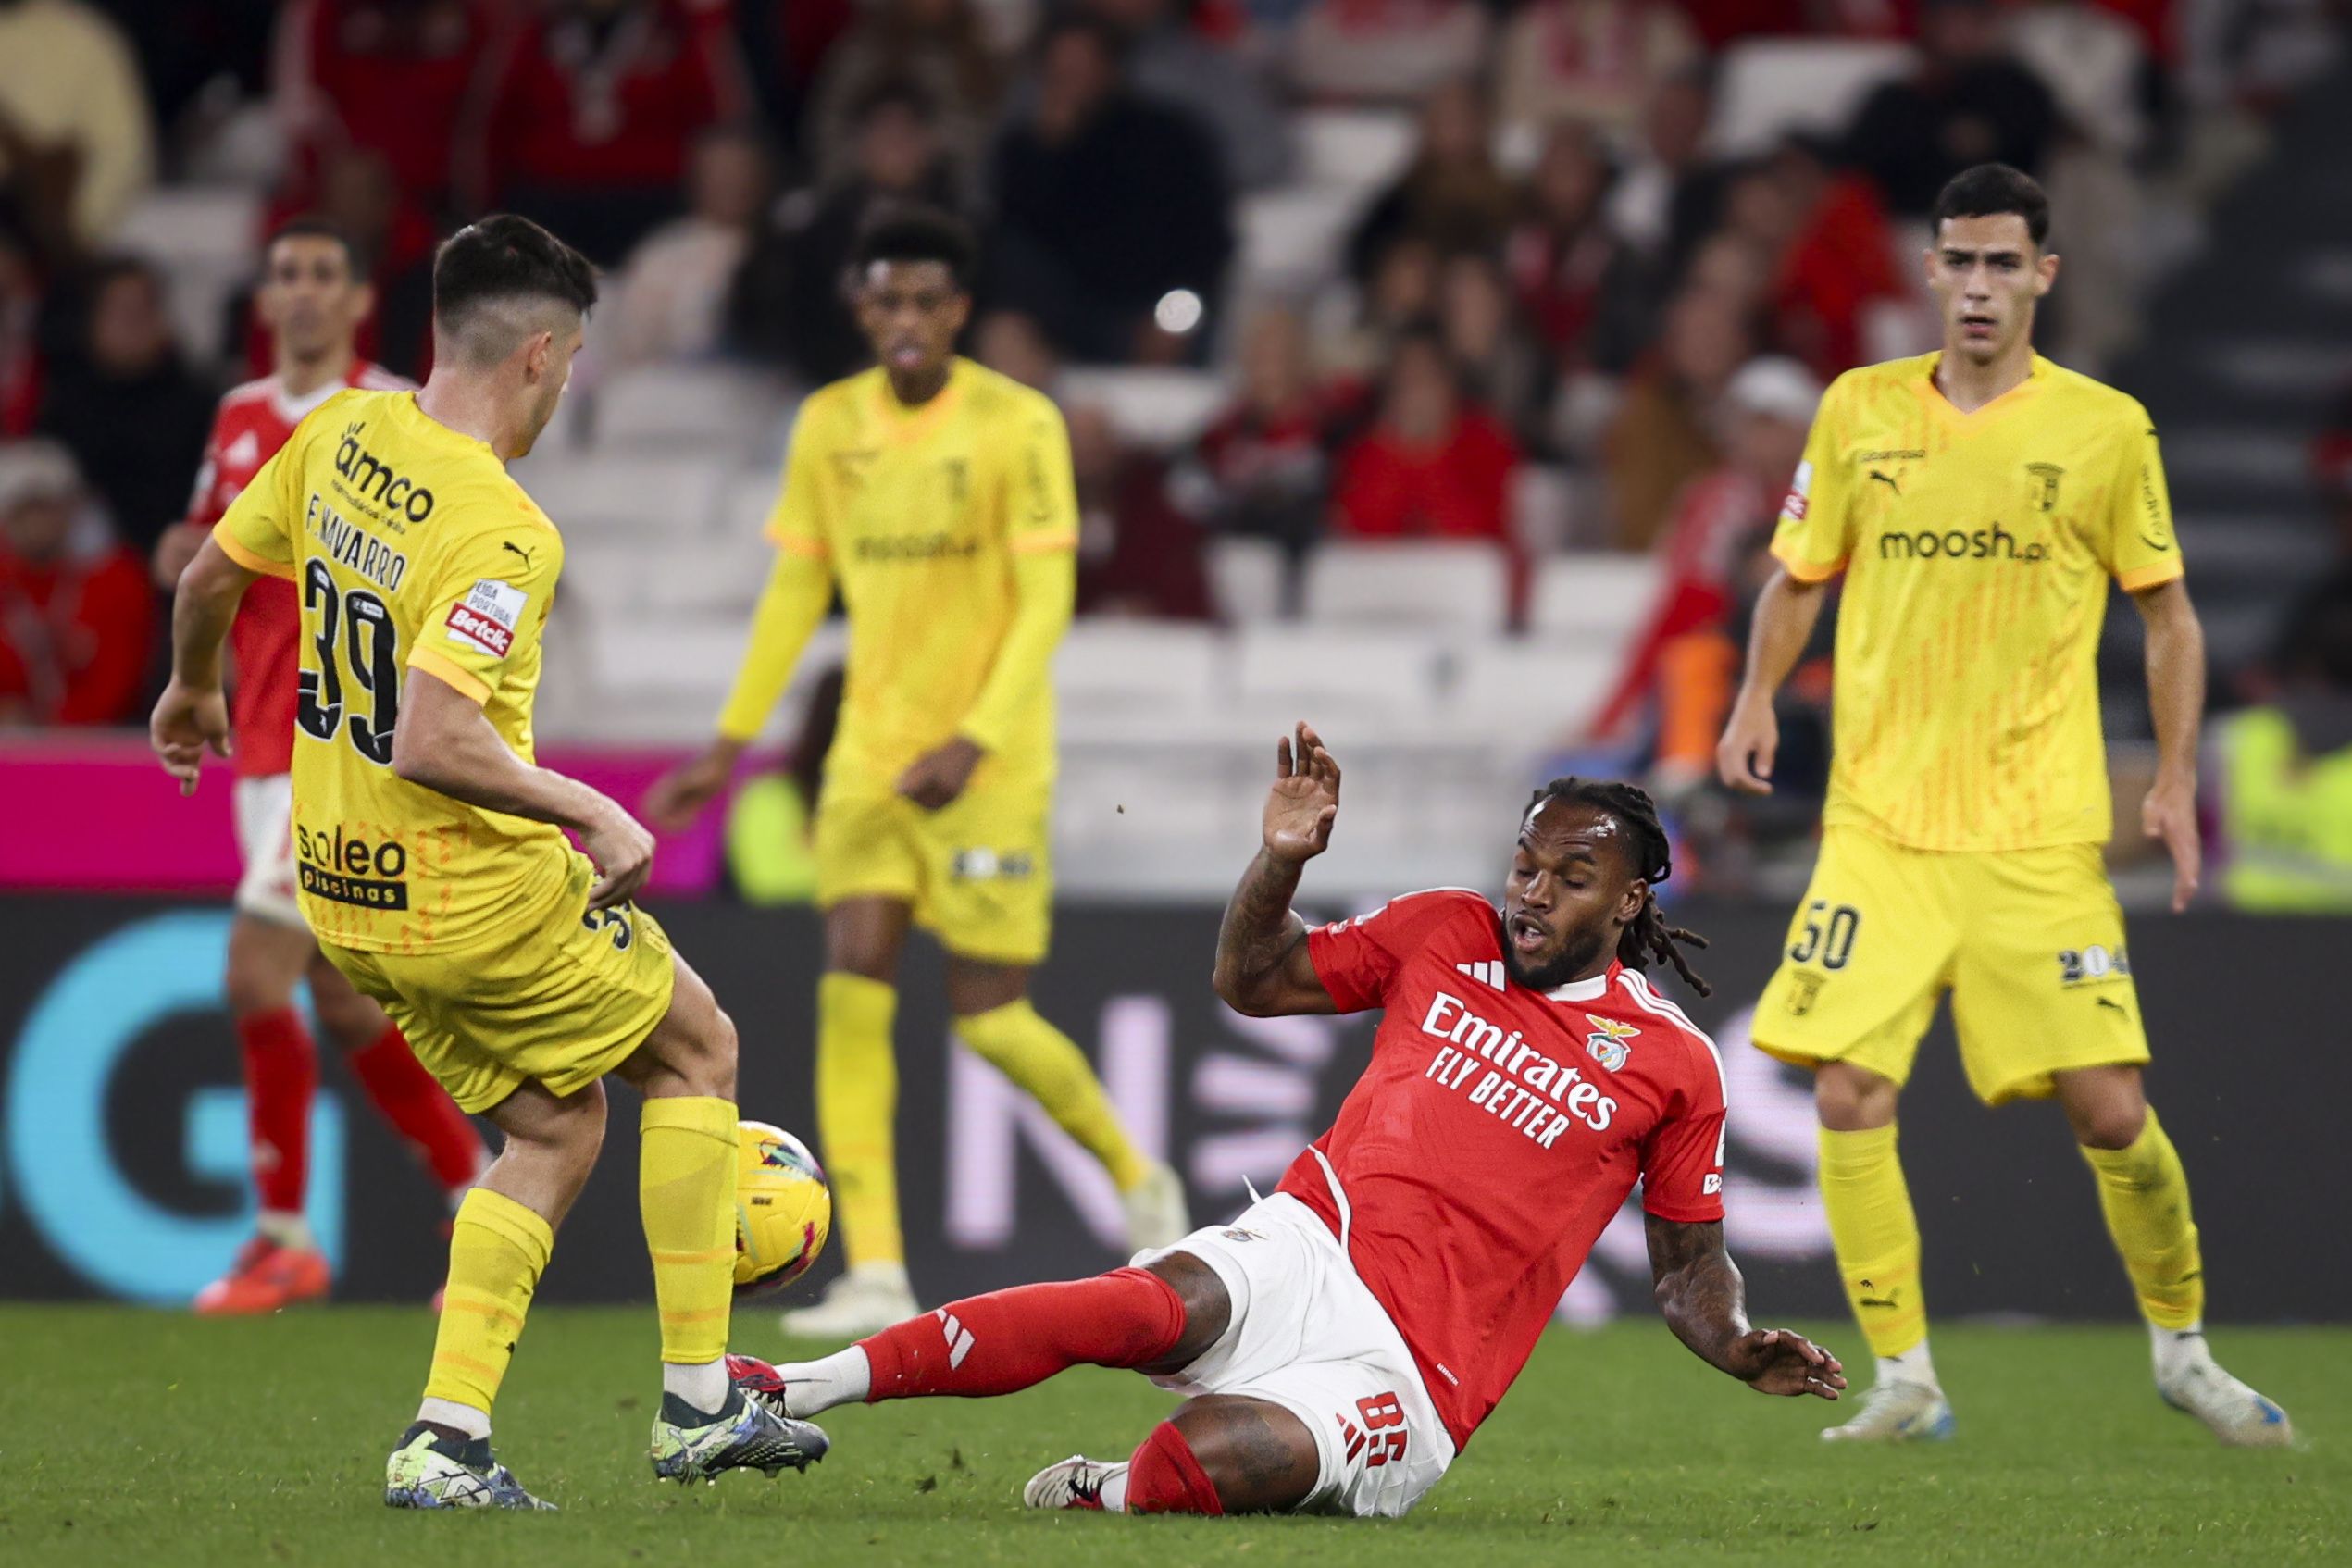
254 422
1496 1132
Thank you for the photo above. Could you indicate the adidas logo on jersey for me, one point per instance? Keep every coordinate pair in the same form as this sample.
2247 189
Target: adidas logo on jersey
1488 972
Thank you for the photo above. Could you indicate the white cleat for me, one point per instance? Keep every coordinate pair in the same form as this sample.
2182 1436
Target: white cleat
1896 1412
2239 1416
860 1302
1076 1482
1156 1213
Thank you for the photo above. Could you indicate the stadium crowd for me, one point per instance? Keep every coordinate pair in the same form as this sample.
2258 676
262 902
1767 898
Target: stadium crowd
1571 309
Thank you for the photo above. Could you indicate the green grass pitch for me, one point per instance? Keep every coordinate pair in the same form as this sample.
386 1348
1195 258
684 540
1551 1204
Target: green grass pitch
128 1436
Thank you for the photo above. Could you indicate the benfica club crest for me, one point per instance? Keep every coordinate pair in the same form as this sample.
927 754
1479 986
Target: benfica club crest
1607 1044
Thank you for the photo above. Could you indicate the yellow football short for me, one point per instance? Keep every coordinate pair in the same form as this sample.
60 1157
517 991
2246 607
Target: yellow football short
978 871
2030 943
564 1000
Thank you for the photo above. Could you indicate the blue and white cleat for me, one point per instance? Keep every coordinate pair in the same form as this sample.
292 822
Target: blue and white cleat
1897 1412
428 1471
2242 1419
691 1446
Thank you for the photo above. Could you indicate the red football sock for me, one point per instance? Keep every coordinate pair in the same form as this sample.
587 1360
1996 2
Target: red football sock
413 1101
282 1074
1165 1477
1004 1341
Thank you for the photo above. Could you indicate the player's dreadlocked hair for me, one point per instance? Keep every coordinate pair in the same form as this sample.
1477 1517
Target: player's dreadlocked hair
1649 937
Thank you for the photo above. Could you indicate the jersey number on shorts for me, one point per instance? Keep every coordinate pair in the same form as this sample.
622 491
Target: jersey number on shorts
614 922
1835 946
375 665
1384 1430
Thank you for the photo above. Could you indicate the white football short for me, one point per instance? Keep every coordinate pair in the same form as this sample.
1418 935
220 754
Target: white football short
265 841
1308 1335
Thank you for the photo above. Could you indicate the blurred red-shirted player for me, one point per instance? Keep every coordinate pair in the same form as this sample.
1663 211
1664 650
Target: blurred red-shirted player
313 300
1341 1338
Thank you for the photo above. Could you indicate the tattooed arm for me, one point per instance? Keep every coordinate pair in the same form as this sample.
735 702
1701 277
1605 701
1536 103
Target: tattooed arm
1703 1300
1263 968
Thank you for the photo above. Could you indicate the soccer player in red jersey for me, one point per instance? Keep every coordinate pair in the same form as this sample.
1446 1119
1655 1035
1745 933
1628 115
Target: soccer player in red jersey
1342 1339
313 299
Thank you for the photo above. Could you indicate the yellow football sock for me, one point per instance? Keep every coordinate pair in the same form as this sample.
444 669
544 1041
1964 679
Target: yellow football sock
686 1196
496 1249
2145 1194
1876 1236
857 1093
1048 1065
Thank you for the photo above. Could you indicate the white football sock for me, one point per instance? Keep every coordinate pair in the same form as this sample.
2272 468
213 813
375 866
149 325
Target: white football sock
285 1229
460 1418
1912 1366
699 1384
841 1378
1115 1491
2177 1349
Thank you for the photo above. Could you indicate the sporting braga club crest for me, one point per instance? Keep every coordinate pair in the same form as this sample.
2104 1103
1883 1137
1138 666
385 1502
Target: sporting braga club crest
2046 477
1607 1044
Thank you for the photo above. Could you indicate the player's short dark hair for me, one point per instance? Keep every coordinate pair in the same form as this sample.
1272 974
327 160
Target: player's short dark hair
1989 190
505 260
315 226
910 232
1648 937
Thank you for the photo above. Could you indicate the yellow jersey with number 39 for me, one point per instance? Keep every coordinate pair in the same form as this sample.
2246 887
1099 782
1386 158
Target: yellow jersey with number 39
411 548
1978 550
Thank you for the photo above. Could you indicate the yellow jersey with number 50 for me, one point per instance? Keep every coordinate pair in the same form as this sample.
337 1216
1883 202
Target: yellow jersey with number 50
1978 550
411 548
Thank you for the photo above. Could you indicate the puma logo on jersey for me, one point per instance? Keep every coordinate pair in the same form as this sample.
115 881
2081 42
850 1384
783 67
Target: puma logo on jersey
1487 973
1886 480
517 549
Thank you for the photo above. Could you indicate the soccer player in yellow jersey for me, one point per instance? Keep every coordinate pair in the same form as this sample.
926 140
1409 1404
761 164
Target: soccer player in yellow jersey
430 857
937 496
1977 500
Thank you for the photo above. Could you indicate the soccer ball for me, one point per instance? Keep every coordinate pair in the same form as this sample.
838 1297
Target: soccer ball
782 1209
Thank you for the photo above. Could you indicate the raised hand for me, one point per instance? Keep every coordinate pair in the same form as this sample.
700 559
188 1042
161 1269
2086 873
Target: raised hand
1305 798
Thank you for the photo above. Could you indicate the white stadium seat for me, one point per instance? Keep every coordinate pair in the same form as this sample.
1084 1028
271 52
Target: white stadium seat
1292 239
1158 409
1548 689
1146 666
1353 149
1595 598
1457 585
1246 575
688 408
639 496
1327 668
1768 87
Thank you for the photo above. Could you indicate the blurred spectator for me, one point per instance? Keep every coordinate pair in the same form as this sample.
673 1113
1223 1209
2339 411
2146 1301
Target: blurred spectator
76 148
1264 465
1137 555
938 46
673 290
388 77
1106 202
1434 465
393 235
1665 199
1595 60
1566 266
787 306
1387 50
1009 344
1829 252
1401 292
1968 102
126 407
586 117
2284 777
76 617
1494 356
1169 59
1719 519
1452 195
20 378
1663 436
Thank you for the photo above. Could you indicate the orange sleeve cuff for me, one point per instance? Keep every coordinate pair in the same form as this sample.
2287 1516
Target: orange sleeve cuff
1042 544
440 667
247 559
2150 576
798 544
1808 572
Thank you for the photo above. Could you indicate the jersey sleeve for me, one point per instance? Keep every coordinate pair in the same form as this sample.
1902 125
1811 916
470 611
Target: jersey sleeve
797 523
2141 548
202 510
486 602
1042 496
1358 960
257 531
1815 533
1682 1161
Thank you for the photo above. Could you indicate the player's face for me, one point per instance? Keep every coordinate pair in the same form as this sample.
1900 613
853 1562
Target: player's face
1987 274
550 366
911 311
310 300
1571 891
